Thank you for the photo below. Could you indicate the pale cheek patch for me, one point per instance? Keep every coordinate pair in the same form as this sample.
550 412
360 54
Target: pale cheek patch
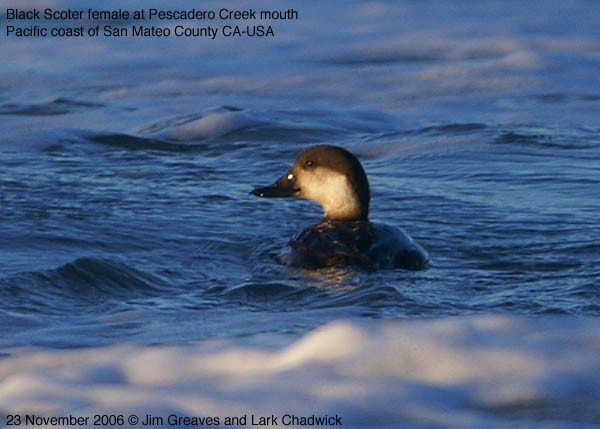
332 191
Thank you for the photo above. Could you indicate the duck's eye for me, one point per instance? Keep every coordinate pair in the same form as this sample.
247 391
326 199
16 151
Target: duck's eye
309 164
290 176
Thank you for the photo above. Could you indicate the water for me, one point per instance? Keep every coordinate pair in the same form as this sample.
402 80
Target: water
125 168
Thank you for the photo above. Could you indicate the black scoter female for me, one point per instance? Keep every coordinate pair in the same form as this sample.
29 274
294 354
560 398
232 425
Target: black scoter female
334 178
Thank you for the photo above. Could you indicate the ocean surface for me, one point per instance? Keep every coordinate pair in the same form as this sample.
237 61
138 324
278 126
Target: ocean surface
139 276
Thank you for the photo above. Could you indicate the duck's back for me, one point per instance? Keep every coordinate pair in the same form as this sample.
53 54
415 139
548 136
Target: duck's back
355 243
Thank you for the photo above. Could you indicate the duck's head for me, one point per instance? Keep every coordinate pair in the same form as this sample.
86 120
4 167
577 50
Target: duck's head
329 175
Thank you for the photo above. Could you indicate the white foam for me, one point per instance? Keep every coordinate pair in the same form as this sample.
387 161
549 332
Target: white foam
212 124
455 372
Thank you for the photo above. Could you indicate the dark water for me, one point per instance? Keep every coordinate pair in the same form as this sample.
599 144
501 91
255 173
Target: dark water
125 168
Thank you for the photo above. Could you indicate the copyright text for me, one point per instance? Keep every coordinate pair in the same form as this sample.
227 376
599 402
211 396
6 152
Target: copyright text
150 420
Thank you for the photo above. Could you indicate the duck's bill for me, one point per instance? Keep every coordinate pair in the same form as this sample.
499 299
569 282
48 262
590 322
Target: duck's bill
283 188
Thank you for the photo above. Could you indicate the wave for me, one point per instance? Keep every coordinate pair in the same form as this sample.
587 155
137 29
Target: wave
478 371
230 122
205 125
324 289
76 285
55 106
546 137
132 142
229 128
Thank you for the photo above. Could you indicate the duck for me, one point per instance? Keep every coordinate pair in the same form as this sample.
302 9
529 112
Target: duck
334 177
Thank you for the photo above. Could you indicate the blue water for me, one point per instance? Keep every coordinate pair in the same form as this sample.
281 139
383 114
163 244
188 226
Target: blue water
125 168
